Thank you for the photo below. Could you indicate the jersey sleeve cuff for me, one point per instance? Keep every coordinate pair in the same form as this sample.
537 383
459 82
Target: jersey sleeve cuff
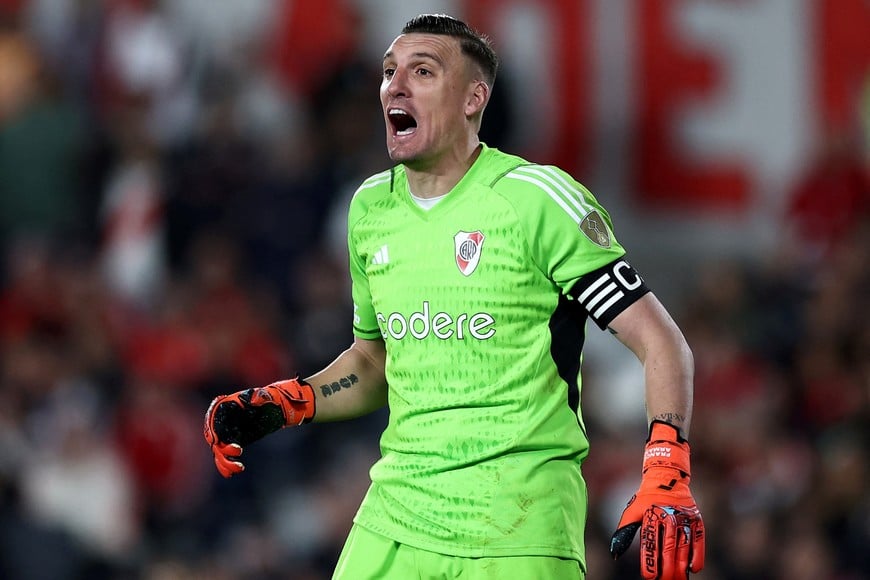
366 334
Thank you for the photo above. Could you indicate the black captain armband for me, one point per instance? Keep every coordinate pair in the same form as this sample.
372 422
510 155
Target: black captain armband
609 290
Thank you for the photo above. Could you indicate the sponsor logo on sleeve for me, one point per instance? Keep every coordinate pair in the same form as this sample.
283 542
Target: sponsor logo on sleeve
595 228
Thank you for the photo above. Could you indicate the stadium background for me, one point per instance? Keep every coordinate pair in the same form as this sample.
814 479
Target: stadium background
173 177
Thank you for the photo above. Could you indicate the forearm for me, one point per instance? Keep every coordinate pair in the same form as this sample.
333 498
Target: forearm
649 331
669 374
352 385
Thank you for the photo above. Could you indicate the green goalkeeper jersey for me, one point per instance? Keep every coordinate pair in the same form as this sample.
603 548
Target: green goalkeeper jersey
473 298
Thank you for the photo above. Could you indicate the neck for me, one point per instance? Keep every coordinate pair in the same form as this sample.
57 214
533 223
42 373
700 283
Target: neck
439 178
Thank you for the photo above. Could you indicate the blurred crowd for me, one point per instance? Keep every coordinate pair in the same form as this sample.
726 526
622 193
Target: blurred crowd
172 190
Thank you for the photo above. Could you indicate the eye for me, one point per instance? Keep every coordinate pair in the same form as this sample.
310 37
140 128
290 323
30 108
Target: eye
424 72
388 73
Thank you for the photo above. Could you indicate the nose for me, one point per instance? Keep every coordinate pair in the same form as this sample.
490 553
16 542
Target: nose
397 86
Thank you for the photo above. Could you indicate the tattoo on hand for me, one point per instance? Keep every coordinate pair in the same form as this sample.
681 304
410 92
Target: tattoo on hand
342 383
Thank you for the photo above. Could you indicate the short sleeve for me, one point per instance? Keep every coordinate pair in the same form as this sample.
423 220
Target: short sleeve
364 319
569 233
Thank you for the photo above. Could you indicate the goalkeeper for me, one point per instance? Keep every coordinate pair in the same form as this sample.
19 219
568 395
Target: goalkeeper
474 273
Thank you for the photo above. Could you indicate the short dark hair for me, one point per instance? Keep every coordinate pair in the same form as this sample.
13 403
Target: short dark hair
473 43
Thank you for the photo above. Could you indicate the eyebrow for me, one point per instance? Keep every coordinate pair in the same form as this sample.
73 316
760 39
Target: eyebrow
428 55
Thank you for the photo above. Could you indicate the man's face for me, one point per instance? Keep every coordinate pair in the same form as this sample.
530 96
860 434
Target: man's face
425 98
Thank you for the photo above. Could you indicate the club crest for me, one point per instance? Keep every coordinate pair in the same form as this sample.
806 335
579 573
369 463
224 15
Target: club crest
468 246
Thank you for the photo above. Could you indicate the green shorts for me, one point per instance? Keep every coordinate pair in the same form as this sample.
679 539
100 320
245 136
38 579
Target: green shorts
370 556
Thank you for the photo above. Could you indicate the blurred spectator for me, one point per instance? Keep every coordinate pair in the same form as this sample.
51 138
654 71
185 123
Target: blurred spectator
322 308
805 554
312 38
134 253
40 143
165 346
235 317
75 480
209 176
144 61
162 452
153 433
29 301
68 32
832 199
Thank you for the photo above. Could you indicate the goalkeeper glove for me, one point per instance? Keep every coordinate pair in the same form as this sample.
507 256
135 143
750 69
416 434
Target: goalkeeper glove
233 421
672 531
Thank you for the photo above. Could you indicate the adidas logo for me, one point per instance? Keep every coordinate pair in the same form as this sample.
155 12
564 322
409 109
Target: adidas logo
382 256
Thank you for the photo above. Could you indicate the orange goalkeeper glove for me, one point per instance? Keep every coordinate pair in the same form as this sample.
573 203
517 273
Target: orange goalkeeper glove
233 421
672 531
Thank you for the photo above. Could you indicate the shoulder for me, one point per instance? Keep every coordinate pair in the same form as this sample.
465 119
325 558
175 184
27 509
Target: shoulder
370 192
374 186
546 187
495 164
538 180
548 194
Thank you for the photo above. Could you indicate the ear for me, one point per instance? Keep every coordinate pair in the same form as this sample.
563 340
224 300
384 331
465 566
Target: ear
478 96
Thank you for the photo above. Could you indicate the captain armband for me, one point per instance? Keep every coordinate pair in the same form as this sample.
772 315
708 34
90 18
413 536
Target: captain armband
609 290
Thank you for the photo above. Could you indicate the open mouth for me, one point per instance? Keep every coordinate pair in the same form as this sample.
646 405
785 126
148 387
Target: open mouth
402 121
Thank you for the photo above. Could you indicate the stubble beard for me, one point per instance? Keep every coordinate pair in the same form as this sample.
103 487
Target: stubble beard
412 160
